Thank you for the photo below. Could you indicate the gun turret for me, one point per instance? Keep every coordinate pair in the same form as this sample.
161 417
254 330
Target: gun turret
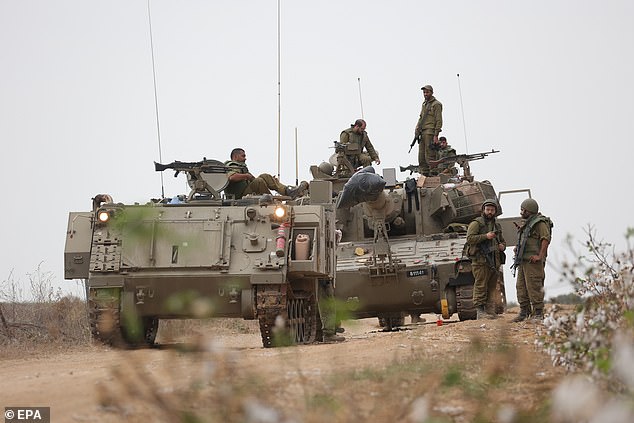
206 166
344 153
204 177
463 160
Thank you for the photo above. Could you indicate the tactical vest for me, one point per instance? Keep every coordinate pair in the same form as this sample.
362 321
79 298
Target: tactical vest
356 142
236 189
529 241
477 252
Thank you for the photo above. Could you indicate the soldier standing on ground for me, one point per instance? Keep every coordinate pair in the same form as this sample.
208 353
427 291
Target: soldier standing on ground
427 129
357 139
530 260
242 183
484 244
328 311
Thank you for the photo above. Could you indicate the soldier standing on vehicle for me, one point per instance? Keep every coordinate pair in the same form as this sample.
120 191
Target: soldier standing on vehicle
242 182
530 260
427 129
357 139
484 244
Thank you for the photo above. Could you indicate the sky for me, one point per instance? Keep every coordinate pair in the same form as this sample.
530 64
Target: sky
548 83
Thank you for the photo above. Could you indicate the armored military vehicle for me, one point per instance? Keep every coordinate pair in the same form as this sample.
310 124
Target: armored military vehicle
200 255
401 249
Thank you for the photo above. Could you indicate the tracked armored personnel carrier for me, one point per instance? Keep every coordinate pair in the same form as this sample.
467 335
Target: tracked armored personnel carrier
260 257
401 250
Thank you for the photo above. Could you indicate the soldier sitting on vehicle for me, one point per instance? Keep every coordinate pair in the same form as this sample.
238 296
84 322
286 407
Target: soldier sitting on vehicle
242 183
447 167
357 140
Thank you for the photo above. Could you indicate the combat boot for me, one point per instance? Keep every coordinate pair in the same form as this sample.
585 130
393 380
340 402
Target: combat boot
333 337
538 316
297 191
481 314
522 316
490 312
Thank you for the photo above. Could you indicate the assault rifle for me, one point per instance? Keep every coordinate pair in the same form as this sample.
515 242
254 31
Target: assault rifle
489 251
417 138
204 177
463 160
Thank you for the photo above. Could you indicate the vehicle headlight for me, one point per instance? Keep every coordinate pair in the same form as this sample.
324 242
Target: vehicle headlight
103 216
280 212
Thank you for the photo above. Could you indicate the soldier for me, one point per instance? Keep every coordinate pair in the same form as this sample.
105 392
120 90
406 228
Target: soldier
427 129
530 259
241 182
484 244
445 150
328 311
357 140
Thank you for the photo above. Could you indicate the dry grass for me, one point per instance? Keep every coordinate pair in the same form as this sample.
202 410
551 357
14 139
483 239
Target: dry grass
42 320
494 378
38 327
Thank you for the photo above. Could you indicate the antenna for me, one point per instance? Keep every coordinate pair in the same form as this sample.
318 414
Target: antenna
360 98
296 161
158 127
464 126
279 95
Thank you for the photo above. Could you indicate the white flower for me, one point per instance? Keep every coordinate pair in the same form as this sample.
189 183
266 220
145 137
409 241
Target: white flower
574 399
623 359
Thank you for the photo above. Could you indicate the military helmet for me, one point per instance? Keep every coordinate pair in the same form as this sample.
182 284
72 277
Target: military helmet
490 202
530 205
326 168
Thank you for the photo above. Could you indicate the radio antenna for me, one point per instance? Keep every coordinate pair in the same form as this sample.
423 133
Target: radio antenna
279 95
360 98
156 108
464 125
296 161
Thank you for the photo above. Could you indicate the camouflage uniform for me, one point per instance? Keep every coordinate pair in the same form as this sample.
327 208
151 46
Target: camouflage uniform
429 125
530 276
448 167
263 184
485 270
358 142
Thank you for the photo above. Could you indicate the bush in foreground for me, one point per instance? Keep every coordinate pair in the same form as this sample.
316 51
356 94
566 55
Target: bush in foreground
596 340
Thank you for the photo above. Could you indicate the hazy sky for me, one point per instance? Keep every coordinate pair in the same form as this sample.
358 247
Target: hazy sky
548 83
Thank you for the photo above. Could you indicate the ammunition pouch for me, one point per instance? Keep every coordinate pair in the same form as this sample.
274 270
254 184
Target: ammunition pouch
353 148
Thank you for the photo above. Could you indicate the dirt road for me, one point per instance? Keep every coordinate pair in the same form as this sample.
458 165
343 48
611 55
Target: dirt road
96 383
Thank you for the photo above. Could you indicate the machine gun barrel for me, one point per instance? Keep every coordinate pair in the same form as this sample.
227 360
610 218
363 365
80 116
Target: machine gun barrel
205 166
461 158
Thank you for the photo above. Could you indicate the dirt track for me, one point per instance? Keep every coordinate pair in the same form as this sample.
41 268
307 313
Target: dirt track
88 383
